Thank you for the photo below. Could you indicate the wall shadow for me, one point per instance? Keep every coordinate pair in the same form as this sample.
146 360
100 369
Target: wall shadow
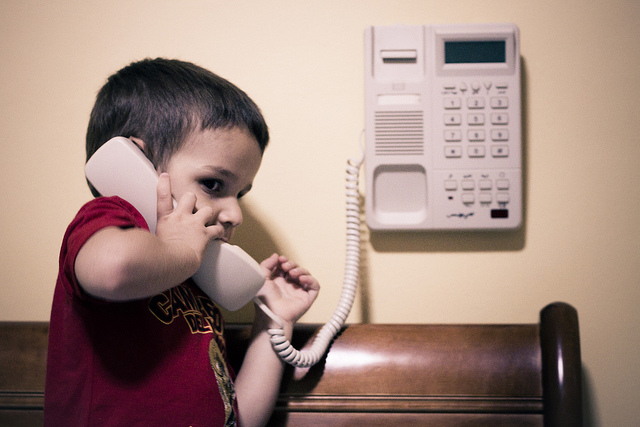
448 241
590 417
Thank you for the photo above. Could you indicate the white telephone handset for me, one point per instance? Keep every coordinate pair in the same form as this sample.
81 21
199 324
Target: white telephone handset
228 275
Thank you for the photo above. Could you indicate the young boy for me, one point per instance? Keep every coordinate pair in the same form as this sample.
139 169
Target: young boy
123 345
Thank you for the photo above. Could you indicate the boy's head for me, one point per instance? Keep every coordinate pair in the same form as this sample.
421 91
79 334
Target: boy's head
162 101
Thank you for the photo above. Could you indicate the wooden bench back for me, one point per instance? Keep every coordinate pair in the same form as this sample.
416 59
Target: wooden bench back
380 374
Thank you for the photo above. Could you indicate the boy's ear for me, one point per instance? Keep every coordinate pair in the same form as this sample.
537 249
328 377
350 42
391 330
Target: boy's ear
138 142
141 145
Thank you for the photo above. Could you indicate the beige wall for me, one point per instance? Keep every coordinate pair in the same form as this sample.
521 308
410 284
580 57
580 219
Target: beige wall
303 63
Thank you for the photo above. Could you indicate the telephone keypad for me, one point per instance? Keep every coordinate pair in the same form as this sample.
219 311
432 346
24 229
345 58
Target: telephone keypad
483 111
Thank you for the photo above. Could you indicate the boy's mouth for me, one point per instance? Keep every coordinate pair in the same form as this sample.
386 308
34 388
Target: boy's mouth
224 238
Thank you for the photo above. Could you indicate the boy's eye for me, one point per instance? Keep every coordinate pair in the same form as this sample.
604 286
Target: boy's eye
212 185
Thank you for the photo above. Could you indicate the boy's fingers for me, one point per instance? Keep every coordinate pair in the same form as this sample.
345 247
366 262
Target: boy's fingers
309 283
187 203
205 214
165 201
269 264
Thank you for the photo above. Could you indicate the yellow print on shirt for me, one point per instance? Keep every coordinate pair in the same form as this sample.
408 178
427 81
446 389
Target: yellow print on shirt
199 312
225 385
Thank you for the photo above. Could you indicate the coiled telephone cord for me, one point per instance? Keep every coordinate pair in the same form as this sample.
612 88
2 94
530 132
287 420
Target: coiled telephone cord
311 356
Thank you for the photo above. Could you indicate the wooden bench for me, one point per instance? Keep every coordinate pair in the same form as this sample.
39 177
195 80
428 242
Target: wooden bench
381 374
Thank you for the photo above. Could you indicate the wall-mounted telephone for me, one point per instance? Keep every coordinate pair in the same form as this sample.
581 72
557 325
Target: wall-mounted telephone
443 127
228 275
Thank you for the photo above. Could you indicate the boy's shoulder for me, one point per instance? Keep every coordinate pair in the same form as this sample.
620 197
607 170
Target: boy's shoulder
108 211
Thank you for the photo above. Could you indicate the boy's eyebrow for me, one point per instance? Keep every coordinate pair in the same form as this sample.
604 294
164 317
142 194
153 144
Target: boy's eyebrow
222 171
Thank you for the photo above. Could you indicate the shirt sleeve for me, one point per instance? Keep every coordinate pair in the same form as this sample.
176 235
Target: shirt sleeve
97 214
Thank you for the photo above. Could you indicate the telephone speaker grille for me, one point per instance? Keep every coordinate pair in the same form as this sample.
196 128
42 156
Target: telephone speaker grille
399 132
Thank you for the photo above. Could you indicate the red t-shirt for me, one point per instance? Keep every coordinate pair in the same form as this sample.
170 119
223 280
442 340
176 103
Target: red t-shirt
155 361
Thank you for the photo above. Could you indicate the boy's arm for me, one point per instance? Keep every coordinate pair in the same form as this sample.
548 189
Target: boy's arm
124 264
289 292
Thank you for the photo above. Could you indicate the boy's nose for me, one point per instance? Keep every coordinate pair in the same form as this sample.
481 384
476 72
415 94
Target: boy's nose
230 215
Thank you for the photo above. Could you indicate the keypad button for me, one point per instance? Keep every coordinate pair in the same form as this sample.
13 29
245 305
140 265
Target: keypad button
499 118
500 151
453 135
468 198
468 184
499 134
475 102
502 184
452 103
498 102
450 185
476 151
452 119
502 197
485 198
476 135
476 119
452 152
485 184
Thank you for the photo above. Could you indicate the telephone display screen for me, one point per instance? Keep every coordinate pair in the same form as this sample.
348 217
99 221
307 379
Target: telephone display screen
474 52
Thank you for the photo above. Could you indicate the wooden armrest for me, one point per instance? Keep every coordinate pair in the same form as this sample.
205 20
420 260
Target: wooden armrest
561 365
377 374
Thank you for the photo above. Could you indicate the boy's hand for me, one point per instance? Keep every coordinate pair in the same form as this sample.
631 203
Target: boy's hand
289 290
119 264
180 227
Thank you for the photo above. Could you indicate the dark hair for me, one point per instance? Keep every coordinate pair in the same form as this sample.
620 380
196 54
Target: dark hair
162 101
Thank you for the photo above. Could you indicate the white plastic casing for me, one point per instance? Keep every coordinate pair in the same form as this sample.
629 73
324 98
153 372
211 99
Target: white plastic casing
443 135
